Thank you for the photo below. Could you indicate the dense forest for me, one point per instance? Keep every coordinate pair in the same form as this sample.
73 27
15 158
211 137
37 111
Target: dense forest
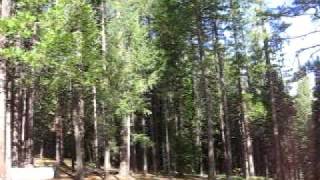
186 89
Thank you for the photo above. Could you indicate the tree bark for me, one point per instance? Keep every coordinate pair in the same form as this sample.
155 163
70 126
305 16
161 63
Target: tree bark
154 138
275 129
246 138
242 86
145 148
41 149
167 141
209 116
5 12
23 119
2 117
8 120
95 123
78 116
107 164
125 147
59 131
107 149
15 123
223 109
29 130
199 118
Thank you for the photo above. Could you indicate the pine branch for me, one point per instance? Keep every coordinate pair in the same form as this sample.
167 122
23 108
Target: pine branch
307 48
303 35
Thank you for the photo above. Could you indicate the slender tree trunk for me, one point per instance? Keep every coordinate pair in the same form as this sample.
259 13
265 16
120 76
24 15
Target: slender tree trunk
199 118
271 89
133 147
15 124
207 96
199 148
5 12
22 124
206 102
107 165
59 132
9 107
107 151
223 112
145 148
209 116
29 126
95 123
246 138
167 141
2 115
125 147
78 115
316 124
153 148
133 159
8 122
41 149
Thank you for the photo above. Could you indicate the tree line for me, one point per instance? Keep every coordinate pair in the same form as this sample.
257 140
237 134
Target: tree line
163 86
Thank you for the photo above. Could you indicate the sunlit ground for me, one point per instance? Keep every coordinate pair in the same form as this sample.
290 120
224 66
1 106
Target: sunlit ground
65 172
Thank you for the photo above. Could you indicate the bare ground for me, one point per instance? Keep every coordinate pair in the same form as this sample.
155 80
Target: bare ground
66 173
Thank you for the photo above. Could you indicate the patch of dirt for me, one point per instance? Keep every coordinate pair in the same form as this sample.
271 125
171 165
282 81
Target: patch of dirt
66 173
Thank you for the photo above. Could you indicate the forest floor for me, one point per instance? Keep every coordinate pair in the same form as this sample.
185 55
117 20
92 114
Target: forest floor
66 173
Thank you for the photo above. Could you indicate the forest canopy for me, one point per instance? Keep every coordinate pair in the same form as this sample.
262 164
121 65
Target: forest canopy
143 89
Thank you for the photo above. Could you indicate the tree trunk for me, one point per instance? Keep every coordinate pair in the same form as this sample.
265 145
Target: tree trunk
29 130
316 124
8 118
167 141
223 109
154 150
107 149
271 88
199 118
125 147
133 147
107 165
41 149
246 138
133 160
95 123
59 131
5 12
209 116
2 115
14 120
78 115
22 122
145 148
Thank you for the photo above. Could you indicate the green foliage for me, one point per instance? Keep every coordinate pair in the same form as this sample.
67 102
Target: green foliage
256 109
161 62
142 139
134 57
69 42
303 103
